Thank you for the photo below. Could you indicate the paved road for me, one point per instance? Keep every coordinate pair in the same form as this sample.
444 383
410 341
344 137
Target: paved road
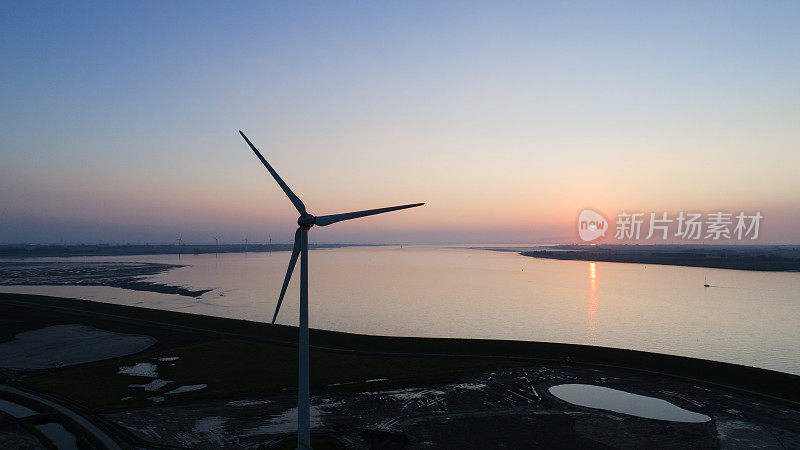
99 434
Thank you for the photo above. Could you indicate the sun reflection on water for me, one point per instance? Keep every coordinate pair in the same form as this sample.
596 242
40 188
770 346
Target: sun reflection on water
592 303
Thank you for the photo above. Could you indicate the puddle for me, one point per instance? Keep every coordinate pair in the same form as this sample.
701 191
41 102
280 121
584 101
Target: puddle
153 385
609 399
247 402
16 410
470 386
66 345
287 421
59 436
142 369
189 388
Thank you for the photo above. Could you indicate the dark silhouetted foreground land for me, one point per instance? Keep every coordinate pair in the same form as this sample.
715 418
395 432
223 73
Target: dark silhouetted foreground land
386 392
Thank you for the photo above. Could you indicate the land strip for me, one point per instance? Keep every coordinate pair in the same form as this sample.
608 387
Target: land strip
760 258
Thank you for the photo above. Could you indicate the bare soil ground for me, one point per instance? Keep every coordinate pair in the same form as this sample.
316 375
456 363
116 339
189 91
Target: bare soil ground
379 392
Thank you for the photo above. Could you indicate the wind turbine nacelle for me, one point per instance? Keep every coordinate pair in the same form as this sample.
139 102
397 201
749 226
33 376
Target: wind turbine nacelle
306 221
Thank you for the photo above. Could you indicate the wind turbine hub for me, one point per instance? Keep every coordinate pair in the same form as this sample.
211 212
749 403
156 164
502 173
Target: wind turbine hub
306 221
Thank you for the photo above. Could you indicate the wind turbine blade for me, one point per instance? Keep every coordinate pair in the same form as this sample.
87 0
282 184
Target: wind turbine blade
301 208
333 218
292 262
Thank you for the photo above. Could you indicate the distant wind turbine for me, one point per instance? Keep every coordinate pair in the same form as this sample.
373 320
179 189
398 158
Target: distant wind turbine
180 244
216 240
305 222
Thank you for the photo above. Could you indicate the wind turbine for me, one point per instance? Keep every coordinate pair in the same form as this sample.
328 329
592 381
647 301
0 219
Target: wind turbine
305 222
216 240
180 244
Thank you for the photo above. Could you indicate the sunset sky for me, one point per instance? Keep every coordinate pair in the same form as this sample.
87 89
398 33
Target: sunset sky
118 121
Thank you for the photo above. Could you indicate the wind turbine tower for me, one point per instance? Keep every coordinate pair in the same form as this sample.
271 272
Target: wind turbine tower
305 222
216 240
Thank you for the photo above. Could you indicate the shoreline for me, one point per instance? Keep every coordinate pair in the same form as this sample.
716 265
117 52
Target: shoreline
757 258
24 251
768 383
124 275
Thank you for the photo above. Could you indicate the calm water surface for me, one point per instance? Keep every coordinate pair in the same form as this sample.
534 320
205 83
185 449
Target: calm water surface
748 318
601 397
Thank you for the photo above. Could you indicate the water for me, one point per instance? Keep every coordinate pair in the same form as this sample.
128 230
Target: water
59 436
600 397
65 345
751 318
16 410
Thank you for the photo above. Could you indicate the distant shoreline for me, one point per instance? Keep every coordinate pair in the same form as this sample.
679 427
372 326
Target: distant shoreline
24 267
59 251
754 259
